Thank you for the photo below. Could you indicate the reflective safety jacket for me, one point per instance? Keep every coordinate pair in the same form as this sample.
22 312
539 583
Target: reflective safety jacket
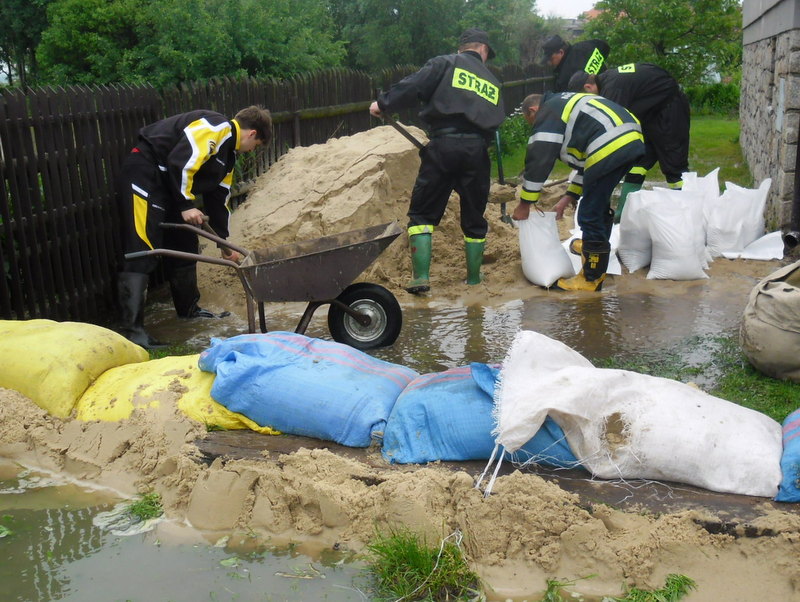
589 133
196 152
589 56
642 88
458 91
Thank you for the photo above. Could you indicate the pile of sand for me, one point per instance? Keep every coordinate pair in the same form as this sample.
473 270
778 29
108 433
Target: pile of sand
359 181
527 531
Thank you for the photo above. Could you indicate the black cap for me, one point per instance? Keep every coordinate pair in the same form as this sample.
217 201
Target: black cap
551 45
476 35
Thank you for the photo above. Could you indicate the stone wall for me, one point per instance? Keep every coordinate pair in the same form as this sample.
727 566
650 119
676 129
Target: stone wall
769 112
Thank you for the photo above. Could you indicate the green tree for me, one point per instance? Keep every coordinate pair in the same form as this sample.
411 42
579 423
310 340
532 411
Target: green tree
692 39
23 22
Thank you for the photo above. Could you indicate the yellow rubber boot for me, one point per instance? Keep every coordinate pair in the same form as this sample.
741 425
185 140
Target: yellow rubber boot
593 273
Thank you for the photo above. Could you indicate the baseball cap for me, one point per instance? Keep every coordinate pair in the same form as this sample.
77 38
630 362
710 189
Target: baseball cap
552 44
476 35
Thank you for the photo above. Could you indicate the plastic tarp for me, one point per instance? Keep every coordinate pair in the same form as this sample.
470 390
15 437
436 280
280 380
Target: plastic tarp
789 490
448 416
53 363
305 386
623 424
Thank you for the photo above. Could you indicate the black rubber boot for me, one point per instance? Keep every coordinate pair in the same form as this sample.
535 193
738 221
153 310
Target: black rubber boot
131 293
186 295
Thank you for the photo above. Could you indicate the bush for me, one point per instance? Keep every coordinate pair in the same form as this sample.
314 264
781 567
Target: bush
717 99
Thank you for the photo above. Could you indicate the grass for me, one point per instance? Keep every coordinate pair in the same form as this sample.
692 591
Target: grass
408 569
714 142
146 507
675 588
726 374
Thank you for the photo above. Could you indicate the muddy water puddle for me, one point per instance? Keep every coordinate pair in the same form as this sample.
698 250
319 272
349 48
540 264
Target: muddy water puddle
53 549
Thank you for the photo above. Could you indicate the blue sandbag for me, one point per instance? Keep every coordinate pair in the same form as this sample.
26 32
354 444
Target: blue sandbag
305 386
789 489
448 416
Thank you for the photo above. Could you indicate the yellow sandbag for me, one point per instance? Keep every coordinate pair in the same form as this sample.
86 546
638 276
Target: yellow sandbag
53 363
160 386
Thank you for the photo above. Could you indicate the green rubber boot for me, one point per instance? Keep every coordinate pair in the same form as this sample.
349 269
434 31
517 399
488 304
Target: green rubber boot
627 188
420 263
474 253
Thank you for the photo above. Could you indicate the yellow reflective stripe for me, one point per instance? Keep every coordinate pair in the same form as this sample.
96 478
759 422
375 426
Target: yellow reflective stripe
464 80
638 171
468 239
570 104
424 229
205 140
527 195
595 62
575 188
577 153
611 147
140 218
227 181
238 134
612 115
675 185
629 68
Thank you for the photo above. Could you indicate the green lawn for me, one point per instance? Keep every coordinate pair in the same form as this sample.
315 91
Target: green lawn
714 143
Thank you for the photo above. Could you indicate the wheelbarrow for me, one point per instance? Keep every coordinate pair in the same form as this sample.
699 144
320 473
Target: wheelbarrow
319 272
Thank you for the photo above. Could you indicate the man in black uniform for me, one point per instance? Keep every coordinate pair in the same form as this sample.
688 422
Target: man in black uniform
462 109
653 95
175 161
589 56
598 138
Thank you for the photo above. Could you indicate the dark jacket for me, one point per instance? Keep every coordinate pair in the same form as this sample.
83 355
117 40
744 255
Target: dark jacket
589 133
589 56
642 88
196 151
458 91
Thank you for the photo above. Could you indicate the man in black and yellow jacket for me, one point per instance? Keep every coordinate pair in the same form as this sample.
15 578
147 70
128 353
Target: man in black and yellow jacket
176 163
601 141
462 108
654 96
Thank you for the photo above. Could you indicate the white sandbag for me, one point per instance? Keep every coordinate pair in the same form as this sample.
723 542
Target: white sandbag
707 186
622 424
544 261
770 328
676 229
736 218
635 247
766 248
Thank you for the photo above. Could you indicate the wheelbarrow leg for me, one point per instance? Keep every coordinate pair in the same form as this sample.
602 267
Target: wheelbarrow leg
262 319
251 318
306 319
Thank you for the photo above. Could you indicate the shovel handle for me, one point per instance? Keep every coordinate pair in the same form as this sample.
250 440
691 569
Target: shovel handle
403 131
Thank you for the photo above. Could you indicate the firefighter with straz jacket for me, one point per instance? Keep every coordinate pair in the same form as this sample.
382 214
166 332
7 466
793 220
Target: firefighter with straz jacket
589 56
462 108
601 141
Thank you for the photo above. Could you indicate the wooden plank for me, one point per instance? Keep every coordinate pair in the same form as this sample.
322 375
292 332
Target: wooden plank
734 515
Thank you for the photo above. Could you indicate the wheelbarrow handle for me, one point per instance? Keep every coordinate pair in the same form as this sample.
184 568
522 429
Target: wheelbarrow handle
182 255
208 235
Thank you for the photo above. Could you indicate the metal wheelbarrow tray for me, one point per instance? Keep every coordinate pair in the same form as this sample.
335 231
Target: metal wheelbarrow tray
319 272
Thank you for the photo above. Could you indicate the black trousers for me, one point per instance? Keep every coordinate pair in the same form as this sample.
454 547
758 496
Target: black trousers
452 162
666 140
144 203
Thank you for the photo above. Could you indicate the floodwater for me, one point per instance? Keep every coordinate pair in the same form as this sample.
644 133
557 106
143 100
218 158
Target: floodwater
54 549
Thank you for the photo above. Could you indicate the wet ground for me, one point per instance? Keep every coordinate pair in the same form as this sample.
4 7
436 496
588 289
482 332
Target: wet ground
631 316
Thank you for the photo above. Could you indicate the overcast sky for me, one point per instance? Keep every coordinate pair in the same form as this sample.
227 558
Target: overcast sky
568 9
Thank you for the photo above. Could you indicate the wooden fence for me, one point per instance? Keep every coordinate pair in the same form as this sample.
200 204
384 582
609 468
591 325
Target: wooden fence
60 150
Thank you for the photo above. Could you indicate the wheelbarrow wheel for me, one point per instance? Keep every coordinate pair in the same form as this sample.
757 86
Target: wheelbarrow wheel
377 303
